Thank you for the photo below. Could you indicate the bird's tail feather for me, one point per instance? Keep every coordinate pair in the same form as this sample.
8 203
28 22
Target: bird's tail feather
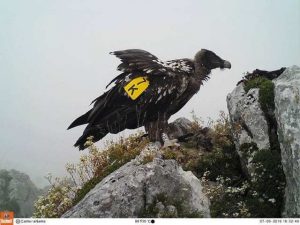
96 132
80 120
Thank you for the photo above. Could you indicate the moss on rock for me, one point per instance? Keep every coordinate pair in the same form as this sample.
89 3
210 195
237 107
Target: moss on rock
166 207
266 92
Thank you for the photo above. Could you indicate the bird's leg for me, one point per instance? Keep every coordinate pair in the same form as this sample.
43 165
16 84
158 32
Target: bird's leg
163 131
158 131
153 134
156 127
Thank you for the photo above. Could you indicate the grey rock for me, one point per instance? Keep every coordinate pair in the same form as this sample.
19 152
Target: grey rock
287 113
182 127
152 149
23 190
249 125
248 122
179 127
130 190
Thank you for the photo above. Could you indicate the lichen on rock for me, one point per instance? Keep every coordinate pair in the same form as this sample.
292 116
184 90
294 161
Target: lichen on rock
287 111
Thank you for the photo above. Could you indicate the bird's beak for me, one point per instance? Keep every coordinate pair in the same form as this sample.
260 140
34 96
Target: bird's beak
226 64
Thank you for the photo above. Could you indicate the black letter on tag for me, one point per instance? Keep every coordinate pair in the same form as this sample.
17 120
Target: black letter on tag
144 80
132 89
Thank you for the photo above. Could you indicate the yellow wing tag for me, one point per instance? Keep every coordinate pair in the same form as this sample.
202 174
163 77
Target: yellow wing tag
136 87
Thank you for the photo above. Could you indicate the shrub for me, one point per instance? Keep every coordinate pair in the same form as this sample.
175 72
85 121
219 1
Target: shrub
231 192
57 200
259 196
265 199
222 159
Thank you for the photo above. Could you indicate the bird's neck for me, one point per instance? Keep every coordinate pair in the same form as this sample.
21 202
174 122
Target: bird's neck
200 75
201 71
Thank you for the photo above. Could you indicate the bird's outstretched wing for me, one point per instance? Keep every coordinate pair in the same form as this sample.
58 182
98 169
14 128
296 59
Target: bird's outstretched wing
136 60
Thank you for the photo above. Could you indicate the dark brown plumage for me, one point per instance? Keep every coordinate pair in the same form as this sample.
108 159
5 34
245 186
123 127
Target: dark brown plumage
168 87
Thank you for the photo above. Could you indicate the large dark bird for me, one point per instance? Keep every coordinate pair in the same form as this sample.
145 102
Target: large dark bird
146 93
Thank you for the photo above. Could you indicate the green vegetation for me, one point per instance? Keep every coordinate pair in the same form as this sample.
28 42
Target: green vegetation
222 159
234 194
247 149
221 173
110 160
261 195
210 154
220 162
266 92
180 210
266 100
268 181
91 169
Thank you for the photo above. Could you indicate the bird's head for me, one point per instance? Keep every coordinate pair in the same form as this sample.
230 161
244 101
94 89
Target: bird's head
210 60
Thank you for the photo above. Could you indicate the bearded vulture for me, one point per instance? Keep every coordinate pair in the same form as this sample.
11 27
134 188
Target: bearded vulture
147 93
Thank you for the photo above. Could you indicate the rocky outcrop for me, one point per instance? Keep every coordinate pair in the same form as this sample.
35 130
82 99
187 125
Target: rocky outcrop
248 122
179 127
159 188
287 111
246 113
264 112
258 124
19 193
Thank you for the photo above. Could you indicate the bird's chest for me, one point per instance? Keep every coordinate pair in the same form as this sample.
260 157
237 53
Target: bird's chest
194 85
187 87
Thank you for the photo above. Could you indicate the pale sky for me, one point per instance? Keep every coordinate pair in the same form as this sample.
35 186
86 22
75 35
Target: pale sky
54 61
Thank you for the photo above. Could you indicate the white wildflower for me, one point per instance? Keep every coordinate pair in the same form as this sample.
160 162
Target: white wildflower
235 214
272 200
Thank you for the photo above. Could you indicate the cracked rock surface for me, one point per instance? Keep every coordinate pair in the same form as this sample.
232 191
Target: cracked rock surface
248 122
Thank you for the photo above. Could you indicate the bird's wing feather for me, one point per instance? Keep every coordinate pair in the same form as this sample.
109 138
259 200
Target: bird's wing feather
161 91
115 110
136 60
167 82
